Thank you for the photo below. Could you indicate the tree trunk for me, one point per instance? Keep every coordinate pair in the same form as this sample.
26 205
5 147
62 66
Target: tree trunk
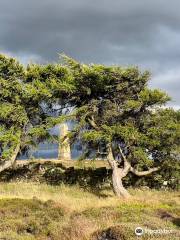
118 187
9 163
117 175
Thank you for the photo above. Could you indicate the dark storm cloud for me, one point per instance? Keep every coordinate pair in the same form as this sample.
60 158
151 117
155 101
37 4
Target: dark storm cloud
140 32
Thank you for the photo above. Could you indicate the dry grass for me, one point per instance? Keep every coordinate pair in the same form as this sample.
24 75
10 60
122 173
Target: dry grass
72 196
84 215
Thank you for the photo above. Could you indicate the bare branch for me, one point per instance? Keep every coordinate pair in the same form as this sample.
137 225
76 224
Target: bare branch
93 124
144 173
122 154
127 165
110 157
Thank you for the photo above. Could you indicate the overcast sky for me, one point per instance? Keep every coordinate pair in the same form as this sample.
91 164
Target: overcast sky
126 32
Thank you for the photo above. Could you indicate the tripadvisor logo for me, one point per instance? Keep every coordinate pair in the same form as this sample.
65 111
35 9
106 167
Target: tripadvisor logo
139 231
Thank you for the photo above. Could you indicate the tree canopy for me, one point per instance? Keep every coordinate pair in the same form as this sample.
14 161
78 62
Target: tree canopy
117 113
25 106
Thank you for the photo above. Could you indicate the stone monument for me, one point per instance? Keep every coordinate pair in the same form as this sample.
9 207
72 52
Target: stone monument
64 152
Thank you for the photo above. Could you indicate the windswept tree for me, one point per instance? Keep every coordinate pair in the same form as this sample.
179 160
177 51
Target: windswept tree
118 115
25 105
13 116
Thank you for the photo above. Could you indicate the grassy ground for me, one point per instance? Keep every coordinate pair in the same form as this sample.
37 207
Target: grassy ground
31 211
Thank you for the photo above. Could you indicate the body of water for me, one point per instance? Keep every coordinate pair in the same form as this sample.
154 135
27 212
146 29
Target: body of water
50 150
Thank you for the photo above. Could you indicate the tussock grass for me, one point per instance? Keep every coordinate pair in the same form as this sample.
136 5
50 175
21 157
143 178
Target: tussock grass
39 211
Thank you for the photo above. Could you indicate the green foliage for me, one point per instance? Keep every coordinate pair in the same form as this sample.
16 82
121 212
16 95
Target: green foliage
13 115
52 80
153 97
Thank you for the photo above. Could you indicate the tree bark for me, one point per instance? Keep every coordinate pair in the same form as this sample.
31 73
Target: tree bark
117 175
118 187
144 173
9 163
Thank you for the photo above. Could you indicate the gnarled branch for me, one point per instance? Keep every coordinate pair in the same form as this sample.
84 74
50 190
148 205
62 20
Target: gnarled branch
144 173
92 123
110 158
127 165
